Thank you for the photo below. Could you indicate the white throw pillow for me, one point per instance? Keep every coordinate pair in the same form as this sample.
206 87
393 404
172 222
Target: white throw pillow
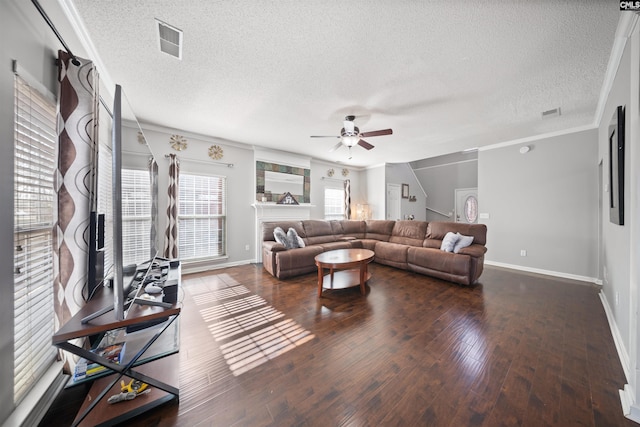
463 242
280 236
295 240
449 242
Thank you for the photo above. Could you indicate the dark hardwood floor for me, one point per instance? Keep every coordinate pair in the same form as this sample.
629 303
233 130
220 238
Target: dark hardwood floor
515 349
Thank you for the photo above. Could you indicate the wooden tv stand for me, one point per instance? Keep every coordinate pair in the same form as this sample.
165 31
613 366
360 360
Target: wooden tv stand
157 365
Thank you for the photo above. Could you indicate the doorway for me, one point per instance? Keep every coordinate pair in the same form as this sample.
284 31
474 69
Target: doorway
466 205
393 201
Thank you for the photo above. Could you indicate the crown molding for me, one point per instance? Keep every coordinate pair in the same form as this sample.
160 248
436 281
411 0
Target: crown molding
77 24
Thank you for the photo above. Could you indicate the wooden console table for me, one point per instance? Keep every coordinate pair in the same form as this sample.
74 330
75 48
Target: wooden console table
150 355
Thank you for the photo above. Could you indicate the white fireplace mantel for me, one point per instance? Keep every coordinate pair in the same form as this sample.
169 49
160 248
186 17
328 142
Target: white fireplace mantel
266 212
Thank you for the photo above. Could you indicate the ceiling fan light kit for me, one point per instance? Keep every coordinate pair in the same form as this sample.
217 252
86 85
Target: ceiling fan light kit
350 135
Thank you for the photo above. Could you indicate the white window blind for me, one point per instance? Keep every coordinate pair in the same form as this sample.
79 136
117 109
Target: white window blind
34 204
136 216
333 203
202 216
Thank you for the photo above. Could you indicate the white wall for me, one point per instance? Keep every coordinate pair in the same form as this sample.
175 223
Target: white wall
544 202
376 191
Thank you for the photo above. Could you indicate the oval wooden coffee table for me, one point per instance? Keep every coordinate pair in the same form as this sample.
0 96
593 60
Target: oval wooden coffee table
352 263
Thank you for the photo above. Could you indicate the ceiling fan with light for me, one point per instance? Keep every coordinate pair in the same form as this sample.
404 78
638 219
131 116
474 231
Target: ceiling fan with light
350 135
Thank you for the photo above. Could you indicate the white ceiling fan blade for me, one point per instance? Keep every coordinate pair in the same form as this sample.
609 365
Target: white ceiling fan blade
335 147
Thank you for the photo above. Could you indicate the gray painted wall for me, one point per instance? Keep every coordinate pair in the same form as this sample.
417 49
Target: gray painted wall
545 202
400 173
440 177
617 239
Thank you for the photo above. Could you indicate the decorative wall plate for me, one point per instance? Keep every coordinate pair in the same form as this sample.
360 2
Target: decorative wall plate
178 142
330 173
345 172
216 152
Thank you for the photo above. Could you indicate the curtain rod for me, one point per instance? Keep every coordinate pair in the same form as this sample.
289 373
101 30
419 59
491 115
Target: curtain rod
204 162
74 59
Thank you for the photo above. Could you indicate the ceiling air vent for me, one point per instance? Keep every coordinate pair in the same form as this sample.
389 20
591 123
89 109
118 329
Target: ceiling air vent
551 113
170 39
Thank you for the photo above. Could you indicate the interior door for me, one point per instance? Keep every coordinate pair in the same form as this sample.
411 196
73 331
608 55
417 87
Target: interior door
393 201
466 207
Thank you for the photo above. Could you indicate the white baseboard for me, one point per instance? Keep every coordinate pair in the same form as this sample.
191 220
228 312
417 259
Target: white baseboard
199 267
627 395
545 272
617 337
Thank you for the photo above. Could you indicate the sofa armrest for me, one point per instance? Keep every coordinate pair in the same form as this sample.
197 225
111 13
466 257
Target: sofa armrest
272 246
475 251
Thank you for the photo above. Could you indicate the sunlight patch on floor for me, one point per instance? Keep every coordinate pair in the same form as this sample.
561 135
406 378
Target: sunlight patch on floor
249 331
247 352
231 307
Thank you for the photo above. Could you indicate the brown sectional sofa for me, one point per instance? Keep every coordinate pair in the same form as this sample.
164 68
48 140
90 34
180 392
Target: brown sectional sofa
409 245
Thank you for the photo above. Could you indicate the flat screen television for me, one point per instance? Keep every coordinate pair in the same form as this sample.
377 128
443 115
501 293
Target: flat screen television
127 138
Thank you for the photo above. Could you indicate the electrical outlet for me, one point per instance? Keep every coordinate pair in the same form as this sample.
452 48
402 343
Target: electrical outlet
247 247
523 252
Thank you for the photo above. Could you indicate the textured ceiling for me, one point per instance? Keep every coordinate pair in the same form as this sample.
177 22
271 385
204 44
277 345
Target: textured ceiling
444 76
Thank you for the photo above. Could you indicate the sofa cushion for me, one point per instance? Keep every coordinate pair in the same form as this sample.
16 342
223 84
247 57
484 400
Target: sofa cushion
435 259
394 254
330 246
437 230
318 231
379 229
353 228
410 233
268 227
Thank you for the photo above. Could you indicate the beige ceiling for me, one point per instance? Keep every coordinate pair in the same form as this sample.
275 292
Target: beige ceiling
444 75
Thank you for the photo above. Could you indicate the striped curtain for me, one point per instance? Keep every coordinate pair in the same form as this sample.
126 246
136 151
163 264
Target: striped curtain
153 176
171 235
347 199
75 181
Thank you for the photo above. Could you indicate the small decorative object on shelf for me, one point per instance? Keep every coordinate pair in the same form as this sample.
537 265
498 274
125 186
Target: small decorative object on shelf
330 173
141 138
288 199
216 152
345 172
412 198
178 142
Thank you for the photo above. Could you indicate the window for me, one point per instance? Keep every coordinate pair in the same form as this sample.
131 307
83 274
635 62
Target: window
202 216
136 216
34 203
333 203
